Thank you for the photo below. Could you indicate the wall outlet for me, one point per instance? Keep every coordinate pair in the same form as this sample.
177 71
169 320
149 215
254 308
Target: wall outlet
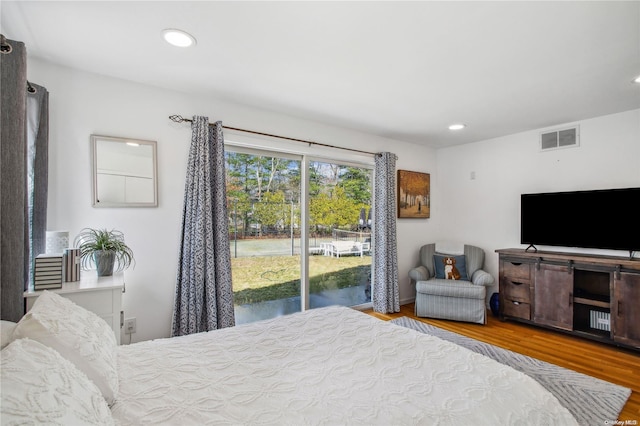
129 326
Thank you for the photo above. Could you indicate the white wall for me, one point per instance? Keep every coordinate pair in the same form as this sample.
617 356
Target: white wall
82 104
486 211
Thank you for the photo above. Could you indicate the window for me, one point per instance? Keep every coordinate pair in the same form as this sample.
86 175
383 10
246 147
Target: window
268 194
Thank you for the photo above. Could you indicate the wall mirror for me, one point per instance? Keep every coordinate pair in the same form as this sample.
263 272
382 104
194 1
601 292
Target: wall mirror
124 172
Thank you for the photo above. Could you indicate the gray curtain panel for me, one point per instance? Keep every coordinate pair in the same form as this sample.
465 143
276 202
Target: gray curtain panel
14 244
37 167
386 296
204 295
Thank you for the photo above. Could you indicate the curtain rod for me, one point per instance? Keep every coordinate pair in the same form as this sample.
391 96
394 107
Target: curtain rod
180 119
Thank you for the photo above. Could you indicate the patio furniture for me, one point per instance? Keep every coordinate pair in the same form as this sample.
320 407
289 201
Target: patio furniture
316 250
342 248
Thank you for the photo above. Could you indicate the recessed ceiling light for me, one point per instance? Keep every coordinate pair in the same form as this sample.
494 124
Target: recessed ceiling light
637 79
457 126
178 37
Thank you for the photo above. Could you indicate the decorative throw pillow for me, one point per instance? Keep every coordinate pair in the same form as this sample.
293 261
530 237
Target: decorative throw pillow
450 267
79 335
6 332
39 386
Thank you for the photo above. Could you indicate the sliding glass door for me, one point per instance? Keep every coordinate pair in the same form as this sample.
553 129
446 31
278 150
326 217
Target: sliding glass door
339 234
266 195
263 200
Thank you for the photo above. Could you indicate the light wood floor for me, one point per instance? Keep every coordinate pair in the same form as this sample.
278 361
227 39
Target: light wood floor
605 362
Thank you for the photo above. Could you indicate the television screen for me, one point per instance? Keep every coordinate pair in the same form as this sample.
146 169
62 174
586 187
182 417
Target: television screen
602 219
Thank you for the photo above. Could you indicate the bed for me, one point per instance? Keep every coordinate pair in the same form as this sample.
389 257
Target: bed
327 366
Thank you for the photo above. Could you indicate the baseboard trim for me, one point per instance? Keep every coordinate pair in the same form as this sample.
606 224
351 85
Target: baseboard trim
407 301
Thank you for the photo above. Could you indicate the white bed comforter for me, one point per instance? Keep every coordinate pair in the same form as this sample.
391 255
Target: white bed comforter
333 366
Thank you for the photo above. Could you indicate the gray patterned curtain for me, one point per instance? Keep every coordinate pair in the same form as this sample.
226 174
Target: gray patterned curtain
204 295
386 296
13 204
24 140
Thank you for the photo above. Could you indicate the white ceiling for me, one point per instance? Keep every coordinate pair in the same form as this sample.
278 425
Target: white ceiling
403 70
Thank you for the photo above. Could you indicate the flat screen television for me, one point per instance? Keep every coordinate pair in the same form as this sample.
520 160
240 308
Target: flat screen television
600 219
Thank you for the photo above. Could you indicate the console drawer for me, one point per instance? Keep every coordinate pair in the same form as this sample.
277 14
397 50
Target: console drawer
516 290
517 309
512 269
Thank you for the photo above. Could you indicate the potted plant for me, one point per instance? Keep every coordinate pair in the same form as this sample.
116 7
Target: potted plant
104 248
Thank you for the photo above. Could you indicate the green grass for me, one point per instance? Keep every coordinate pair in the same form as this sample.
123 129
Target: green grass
261 278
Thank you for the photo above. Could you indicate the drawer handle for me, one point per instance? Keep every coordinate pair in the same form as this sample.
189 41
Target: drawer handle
516 283
516 263
515 303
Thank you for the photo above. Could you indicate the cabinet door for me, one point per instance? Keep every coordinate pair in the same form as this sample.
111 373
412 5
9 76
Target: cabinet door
553 296
625 309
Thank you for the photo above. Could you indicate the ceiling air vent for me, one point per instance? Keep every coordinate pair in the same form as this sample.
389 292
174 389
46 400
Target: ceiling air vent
564 138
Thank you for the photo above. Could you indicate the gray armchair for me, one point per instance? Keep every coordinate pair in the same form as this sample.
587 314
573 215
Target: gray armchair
460 299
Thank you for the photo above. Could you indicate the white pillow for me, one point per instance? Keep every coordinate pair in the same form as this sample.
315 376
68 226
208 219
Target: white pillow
6 332
79 335
41 387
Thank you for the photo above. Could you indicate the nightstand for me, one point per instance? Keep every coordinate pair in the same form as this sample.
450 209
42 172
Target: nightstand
100 295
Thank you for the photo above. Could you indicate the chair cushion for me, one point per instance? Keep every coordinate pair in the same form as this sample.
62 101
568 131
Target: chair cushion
459 264
450 288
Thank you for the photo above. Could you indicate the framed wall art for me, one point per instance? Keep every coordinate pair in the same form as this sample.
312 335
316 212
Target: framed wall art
414 198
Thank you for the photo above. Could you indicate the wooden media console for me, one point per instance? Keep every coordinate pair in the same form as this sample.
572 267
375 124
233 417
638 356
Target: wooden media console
596 297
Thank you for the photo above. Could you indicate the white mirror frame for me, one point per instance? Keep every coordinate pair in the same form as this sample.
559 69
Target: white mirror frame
95 171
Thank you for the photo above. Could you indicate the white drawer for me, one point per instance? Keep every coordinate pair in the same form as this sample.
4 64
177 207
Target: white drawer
99 302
